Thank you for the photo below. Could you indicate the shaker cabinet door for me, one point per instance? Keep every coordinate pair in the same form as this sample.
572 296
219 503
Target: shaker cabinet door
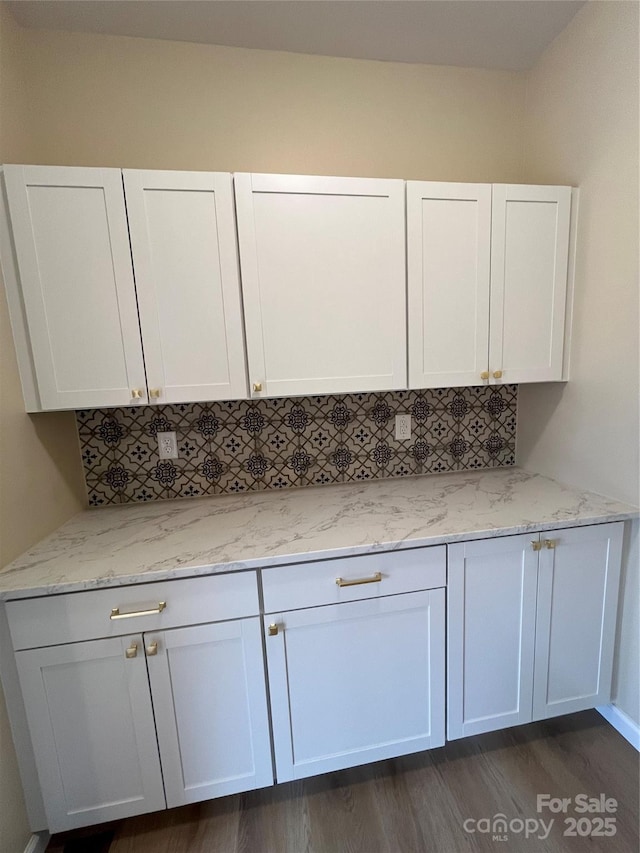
209 698
448 267
529 262
576 620
73 258
491 632
356 682
89 713
323 279
183 239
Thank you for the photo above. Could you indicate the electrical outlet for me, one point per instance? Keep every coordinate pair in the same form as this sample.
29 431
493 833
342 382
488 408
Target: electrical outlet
403 427
167 445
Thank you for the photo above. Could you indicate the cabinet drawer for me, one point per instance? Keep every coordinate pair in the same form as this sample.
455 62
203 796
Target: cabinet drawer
369 576
56 619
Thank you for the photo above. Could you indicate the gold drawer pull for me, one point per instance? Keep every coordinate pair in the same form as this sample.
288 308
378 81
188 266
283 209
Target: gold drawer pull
484 375
132 651
273 630
550 543
115 613
357 581
152 649
537 546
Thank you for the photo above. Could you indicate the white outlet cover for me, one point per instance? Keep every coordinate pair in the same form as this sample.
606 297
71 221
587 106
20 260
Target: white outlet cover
403 427
167 445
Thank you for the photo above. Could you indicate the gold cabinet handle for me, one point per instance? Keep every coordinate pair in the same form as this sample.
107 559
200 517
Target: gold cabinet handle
357 581
273 630
550 543
537 546
155 393
497 374
135 394
115 613
257 387
484 375
152 649
132 651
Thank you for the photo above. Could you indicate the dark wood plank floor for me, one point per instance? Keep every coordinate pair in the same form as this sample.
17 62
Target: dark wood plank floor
411 805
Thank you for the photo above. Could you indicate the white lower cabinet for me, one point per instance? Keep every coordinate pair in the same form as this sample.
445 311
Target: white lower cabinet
89 712
210 704
491 630
578 581
111 720
175 711
356 682
531 626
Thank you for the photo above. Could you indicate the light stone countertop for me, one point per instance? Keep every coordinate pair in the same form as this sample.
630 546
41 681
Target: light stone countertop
186 538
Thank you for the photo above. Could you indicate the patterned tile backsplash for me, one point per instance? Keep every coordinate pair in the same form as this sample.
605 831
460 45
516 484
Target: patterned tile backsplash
276 444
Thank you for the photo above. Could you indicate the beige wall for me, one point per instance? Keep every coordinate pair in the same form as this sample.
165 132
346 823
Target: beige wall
40 477
582 129
100 100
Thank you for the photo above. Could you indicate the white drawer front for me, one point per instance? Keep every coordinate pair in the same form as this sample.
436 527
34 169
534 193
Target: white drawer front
387 573
77 616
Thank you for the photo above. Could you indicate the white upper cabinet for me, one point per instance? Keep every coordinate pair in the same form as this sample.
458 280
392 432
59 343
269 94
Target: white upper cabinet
184 248
529 259
124 287
487 283
73 262
323 279
448 246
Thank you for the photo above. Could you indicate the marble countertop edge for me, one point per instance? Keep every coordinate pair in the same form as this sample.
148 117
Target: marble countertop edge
193 569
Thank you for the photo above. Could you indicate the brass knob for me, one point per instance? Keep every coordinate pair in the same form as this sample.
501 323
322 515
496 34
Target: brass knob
484 375
497 374
537 546
550 544
257 386
154 392
132 651
136 394
152 649
273 629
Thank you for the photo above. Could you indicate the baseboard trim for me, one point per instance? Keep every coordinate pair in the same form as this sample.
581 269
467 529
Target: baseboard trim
621 722
38 842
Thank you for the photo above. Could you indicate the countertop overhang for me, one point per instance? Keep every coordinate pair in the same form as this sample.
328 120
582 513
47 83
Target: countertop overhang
167 540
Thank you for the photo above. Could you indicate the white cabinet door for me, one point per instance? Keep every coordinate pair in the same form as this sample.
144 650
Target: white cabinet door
89 712
576 620
491 633
529 259
209 697
72 248
448 267
185 256
323 278
357 682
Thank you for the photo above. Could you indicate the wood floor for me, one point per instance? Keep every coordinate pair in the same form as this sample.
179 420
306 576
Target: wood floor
413 804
